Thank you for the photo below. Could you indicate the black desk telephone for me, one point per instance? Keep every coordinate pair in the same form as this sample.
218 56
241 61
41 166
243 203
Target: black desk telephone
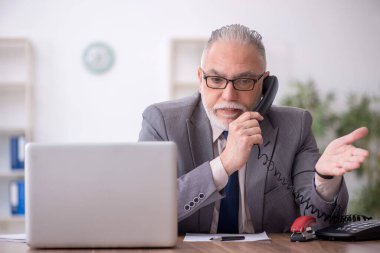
351 231
365 229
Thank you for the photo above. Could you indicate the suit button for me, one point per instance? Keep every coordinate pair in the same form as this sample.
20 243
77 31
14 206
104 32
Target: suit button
201 195
187 207
192 203
196 200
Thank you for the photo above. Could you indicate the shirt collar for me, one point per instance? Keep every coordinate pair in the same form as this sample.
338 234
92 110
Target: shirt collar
216 132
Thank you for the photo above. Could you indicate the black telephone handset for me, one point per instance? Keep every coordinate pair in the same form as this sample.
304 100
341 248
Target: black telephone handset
270 87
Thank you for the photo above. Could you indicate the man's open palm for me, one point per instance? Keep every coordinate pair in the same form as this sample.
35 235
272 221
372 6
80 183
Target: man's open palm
341 156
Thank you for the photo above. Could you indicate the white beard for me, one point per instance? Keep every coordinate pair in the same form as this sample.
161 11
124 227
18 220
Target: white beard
215 121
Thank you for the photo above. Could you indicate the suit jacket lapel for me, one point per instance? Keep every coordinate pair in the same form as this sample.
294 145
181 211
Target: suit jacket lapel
256 173
200 140
200 136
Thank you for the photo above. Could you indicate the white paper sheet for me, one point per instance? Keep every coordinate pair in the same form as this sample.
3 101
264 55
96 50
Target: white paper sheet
207 237
13 238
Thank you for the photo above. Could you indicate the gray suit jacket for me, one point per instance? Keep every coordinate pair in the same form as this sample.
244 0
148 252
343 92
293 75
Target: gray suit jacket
279 179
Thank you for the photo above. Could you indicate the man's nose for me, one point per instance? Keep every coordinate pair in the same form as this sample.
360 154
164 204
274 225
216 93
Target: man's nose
229 93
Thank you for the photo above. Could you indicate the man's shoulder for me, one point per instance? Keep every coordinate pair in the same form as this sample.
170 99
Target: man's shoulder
275 109
287 114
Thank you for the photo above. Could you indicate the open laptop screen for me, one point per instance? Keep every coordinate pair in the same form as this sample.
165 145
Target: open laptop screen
101 195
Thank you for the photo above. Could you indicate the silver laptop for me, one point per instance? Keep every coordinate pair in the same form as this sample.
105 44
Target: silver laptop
101 195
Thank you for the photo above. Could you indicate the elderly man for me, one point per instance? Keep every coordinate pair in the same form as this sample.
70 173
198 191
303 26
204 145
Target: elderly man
239 171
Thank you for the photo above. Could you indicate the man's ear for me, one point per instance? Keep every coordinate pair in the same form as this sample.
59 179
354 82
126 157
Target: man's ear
261 83
200 78
267 73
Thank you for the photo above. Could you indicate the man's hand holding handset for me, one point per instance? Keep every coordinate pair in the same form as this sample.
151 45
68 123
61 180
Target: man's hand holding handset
243 133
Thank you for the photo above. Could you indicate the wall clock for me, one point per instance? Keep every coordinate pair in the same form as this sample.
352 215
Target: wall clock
98 58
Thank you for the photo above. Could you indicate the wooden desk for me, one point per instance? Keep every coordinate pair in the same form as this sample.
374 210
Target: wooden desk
279 243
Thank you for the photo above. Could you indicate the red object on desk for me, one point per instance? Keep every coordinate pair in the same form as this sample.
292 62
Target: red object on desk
301 223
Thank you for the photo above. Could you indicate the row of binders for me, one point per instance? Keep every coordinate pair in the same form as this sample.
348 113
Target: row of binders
17 187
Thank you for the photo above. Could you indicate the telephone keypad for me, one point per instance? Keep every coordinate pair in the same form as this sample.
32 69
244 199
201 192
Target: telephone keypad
351 231
358 226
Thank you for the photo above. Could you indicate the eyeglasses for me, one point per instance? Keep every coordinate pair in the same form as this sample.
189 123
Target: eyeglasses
242 84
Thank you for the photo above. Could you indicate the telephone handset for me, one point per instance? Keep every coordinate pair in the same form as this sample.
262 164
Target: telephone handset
270 87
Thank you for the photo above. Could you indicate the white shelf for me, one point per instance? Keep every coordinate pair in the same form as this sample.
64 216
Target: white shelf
14 60
186 84
13 86
183 91
12 219
13 131
11 174
12 225
15 118
185 60
13 110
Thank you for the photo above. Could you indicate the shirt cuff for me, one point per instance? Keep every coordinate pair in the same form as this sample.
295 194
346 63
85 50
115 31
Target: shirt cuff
327 188
219 174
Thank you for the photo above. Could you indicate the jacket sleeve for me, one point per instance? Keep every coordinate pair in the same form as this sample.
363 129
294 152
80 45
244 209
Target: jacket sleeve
195 189
311 203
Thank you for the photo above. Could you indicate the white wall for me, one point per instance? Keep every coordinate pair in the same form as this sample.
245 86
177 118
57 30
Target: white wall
336 43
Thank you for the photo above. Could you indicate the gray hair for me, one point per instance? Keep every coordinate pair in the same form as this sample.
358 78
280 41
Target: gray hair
235 32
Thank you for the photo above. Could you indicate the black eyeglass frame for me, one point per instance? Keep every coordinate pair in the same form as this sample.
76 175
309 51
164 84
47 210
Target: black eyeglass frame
232 81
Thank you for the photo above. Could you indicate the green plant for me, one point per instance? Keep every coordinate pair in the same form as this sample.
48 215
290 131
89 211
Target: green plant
361 110
306 95
365 111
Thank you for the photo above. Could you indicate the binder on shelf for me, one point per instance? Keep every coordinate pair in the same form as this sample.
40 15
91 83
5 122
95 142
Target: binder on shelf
17 197
17 146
